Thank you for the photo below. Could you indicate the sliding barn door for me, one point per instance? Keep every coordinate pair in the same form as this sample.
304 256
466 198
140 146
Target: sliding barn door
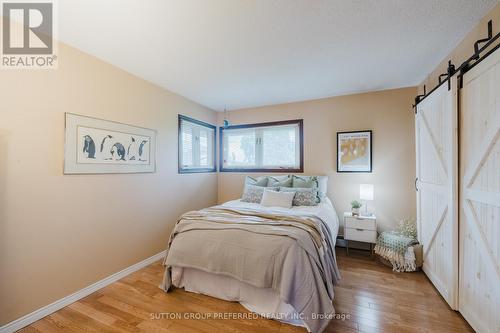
437 196
479 299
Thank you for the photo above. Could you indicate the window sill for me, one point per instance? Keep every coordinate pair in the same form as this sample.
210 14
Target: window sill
200 170
241 170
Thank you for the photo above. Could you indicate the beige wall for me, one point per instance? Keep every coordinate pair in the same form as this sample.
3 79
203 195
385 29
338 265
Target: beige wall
387 113
465 48
61 233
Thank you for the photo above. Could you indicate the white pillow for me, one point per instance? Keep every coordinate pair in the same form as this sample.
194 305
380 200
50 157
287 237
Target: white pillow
277 199
322 186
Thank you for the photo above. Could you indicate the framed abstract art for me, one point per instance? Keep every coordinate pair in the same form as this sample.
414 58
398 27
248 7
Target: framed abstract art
354 151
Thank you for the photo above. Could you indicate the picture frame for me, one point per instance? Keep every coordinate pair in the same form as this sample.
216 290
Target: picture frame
354 151
98 146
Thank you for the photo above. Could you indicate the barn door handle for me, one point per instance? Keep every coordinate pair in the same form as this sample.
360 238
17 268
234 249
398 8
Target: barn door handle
416 187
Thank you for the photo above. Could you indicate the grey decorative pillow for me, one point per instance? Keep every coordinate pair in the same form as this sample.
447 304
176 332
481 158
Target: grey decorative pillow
319 182
260 181
304 181
303 196
253 193
281 181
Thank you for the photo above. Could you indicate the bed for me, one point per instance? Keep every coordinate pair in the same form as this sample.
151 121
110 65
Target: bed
277 262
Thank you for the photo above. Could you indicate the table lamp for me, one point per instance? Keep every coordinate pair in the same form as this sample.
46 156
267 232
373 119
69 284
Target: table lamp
366 194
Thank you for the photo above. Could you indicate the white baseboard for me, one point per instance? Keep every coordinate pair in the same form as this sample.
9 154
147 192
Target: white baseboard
65 301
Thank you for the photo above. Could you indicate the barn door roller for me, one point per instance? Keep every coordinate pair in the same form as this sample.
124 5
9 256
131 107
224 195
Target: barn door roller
466 65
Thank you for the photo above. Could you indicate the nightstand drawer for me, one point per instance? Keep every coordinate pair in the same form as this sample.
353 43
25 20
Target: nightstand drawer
361 235
360 223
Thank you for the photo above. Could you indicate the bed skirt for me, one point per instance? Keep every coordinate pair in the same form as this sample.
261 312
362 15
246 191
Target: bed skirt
263 301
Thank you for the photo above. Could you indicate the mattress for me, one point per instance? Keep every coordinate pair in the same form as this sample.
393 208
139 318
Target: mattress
263 301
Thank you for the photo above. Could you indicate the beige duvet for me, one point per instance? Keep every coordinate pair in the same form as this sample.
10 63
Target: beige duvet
289 251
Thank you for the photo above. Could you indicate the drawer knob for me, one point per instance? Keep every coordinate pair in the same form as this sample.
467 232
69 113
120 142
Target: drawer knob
360 229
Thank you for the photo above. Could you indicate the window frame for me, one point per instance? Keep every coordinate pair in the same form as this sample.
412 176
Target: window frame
180 168
299 122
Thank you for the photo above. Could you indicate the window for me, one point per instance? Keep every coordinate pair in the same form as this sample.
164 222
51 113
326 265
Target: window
196 146
268 147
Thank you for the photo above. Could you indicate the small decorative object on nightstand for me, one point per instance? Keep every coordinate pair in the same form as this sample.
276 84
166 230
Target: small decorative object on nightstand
355 206
360 229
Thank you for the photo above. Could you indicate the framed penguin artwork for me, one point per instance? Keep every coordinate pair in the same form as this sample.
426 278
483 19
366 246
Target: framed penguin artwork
354 151
101 146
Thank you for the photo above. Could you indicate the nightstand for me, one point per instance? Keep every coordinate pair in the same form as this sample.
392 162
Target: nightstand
360 229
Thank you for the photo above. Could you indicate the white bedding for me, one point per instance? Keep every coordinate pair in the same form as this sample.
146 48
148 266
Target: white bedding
324 210
258 300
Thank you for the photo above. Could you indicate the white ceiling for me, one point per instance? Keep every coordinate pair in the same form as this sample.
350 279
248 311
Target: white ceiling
245 53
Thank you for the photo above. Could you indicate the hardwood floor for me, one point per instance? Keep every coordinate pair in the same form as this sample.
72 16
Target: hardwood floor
370 295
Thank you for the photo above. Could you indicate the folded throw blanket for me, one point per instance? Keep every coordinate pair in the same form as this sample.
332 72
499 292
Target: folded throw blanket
397 249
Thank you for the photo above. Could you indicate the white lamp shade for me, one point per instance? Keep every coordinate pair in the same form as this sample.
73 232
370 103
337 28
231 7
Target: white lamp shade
366 191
